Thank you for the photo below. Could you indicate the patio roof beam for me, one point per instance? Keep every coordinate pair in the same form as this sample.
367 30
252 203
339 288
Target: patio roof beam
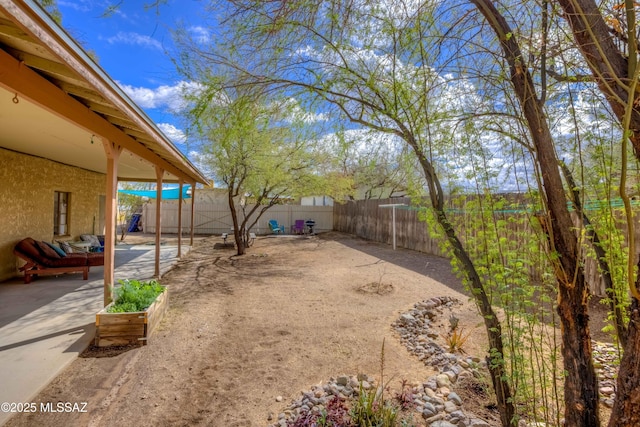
46 33
17 77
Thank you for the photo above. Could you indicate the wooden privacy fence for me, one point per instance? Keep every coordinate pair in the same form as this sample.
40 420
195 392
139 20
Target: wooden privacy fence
366 219
210 218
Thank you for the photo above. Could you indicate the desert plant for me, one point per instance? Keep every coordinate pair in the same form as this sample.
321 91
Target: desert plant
405 396
370 409
134 295
456 339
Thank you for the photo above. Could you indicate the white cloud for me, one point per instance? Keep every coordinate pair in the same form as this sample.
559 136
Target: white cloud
165 96
135 39
200 34
173 133
76 5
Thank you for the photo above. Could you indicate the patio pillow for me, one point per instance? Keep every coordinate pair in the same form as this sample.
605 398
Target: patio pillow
91 238
65 246
46 250
58 250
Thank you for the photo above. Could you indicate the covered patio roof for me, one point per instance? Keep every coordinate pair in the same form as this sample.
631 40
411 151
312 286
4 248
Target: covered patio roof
58 103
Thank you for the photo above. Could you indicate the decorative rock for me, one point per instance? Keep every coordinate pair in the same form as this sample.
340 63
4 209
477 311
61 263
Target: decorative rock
450 407
407 318
456 421
476 422
442 423
443 380
434 419
415 333
428 410
455 398
343 380
430 384
452 376
607 390
430 393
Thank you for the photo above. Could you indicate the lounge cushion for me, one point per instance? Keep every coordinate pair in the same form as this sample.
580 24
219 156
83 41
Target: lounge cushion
28 247
46 250
41 258
58 249
68 261
95 259
65 246
35 250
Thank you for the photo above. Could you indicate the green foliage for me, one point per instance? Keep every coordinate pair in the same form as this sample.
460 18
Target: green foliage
371 410
51 6
133 295
381 82
263 151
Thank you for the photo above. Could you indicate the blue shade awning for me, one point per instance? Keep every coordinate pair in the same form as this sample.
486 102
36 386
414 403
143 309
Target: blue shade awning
167 193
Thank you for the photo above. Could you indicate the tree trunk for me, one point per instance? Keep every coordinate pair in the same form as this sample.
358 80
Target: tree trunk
241 249
581 383
626 410
611 70
601 256
495 358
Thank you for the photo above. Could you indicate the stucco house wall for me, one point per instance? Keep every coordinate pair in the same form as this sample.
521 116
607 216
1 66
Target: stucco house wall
27 186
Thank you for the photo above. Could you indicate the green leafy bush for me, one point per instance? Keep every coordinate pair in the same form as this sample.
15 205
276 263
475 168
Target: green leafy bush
133 295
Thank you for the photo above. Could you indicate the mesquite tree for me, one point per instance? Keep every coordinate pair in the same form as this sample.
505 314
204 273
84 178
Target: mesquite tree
580 390
608 40
332 55
261 151
371 62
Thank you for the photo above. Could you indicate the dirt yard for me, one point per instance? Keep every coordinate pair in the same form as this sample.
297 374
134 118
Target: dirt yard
242 331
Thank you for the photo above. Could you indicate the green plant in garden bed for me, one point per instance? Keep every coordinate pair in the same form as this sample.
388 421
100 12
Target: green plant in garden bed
134 295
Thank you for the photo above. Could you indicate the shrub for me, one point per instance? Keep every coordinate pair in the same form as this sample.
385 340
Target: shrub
133 295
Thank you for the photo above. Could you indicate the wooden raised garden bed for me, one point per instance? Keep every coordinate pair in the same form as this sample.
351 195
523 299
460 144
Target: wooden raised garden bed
130 328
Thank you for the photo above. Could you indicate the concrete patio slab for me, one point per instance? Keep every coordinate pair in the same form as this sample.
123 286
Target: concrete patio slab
46 324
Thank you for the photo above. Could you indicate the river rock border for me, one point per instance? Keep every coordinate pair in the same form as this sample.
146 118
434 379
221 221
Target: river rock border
434 399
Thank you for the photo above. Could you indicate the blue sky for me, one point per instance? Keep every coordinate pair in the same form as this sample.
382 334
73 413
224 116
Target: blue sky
131 46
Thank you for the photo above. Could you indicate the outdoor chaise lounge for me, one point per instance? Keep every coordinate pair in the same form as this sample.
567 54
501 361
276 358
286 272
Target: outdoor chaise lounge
43 259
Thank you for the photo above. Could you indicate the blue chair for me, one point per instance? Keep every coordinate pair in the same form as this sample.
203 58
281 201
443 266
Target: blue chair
275 227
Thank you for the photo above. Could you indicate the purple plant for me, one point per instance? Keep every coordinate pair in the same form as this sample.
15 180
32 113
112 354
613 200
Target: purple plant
336 414
405 397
